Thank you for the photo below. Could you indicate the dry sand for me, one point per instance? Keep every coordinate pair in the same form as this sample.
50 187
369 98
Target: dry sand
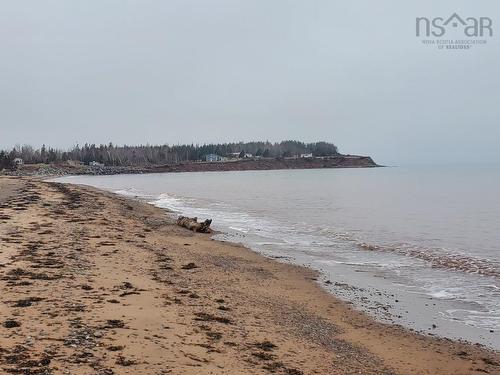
97 284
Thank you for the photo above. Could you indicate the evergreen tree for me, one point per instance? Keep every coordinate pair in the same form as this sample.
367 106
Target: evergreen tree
110 154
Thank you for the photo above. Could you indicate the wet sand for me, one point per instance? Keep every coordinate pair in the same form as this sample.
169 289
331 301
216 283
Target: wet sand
93 283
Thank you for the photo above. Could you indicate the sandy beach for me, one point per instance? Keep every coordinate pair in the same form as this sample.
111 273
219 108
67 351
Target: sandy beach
94 283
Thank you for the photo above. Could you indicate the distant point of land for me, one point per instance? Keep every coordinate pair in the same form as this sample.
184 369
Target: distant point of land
111 159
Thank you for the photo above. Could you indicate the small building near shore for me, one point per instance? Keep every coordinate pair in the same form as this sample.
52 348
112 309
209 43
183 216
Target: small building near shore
306 156
96 164
18 161
213 157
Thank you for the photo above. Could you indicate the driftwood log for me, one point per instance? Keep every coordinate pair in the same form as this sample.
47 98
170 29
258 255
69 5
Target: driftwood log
192 224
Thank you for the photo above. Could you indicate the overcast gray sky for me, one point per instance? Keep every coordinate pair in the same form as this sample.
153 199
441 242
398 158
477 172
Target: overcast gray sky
176 71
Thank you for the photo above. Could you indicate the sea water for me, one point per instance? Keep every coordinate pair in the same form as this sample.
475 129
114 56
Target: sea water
416 246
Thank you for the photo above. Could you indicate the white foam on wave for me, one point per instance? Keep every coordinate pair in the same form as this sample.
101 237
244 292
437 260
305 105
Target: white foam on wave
227 217
441 294
325 247
131 192
438 258
243 230
474 318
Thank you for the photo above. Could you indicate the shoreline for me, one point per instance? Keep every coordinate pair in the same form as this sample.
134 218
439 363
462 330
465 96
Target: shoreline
340 161
388 305
370 290
220 301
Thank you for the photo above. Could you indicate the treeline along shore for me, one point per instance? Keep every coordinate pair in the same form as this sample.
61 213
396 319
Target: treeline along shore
110 159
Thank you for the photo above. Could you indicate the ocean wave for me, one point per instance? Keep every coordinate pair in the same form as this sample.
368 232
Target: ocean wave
439 258
132 193
309 236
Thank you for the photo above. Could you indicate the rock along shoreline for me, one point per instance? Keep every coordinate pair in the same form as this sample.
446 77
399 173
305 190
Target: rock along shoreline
252 164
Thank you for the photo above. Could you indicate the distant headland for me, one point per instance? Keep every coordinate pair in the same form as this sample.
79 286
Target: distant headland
110 159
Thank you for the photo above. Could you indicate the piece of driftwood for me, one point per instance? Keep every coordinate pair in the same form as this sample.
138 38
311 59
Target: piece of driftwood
192 224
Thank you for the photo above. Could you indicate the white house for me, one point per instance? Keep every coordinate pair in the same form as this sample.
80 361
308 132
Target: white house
213 157
18 161
306 156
